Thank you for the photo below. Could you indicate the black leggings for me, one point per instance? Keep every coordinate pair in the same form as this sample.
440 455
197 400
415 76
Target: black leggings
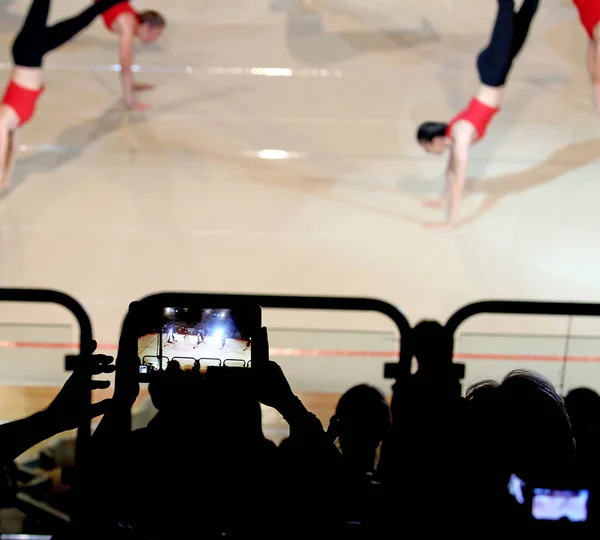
508 37
35 39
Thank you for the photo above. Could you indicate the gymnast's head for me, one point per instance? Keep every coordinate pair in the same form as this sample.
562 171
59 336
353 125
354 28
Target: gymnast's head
152 24
432 137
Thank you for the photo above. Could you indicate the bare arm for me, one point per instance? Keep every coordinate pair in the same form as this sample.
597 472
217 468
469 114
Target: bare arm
128 83
443 201
449 177
456 177
7 156
594 70
126 61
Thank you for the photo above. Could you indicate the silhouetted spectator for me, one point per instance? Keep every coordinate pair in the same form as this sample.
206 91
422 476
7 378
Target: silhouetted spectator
518 426
361 421
583 406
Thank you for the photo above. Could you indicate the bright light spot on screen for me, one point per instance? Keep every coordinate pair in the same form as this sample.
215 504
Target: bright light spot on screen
218 333
223 313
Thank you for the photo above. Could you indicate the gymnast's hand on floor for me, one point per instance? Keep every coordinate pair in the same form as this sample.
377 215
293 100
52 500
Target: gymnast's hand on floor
439 225
139 106
434 203
142 87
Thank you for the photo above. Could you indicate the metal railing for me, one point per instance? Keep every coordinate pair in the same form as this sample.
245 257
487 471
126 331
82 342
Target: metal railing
318 303
48 296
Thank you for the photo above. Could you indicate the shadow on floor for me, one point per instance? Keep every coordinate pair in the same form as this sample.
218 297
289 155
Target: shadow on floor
561 162
74 141
310 42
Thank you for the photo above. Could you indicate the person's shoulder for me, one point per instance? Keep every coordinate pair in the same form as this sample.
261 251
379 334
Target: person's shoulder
463 132
126 22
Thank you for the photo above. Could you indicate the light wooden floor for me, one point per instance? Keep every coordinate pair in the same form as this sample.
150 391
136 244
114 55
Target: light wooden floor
110 206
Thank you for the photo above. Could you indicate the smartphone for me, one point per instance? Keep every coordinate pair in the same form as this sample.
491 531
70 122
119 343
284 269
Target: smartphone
549 505
195 334
560 504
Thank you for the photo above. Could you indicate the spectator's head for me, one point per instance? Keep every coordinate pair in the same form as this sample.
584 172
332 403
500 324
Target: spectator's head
362 420
583 406
152 25
432 137
522 424
220 407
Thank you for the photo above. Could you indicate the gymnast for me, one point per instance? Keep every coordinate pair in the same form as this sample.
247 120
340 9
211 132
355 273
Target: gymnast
26 83
128 24
494 64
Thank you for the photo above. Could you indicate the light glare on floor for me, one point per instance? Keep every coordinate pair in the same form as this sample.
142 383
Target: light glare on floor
272 72
274 154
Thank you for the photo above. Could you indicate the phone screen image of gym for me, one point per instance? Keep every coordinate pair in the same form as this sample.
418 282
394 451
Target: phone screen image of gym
197 337
554 505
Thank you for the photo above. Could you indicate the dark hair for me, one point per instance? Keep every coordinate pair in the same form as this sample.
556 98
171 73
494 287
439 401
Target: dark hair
583 406
153 19
526 419
430 130
366 407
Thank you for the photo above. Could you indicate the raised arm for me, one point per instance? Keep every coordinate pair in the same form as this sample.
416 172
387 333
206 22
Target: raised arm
66 412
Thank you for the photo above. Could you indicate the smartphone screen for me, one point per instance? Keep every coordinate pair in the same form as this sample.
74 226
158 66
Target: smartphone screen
554 505
199 337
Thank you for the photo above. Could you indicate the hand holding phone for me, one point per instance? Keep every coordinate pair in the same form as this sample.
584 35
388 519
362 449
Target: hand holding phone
272 387
127 364
549 505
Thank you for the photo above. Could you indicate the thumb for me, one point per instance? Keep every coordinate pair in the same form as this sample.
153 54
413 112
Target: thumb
261 346
89 348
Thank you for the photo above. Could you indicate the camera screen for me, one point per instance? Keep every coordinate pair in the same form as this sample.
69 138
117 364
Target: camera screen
554 505
197 337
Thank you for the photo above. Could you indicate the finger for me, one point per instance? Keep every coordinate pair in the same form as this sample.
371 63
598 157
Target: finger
127 340
100 385
103 359
331 428
262 346
104 369
97 409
